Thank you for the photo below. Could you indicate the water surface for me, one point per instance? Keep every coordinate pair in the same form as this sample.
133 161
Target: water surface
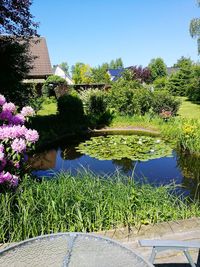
181 169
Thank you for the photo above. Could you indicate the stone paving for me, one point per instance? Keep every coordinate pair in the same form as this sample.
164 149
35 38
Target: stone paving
179 230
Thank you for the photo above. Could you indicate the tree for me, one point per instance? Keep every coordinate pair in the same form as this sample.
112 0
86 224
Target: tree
141 74
157 68
116 64
64 66
179 82
100 75
16 29
16 19
14 64
183 62
195 29
82 73
193 91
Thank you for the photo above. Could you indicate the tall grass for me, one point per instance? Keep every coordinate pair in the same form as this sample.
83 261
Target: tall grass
86 203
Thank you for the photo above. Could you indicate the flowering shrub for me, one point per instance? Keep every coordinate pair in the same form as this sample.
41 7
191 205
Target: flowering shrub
16 141
165 114
189 136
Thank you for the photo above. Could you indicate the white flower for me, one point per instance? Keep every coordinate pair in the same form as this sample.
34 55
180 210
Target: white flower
157 141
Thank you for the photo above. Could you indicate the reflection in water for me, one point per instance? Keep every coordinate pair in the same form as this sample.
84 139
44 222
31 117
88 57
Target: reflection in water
43 161
125 165
70 153
182 168
190 167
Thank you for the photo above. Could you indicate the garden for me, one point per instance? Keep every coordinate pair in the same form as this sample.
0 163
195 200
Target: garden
41 193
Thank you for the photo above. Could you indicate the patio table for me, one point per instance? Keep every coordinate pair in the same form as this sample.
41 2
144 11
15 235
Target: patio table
70 250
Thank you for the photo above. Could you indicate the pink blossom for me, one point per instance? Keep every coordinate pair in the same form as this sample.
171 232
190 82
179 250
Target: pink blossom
27 111
16 165
1 148
5 177
9 178
3 164
1 156
14 137
14 181
18 119
12 132
6 115
9 107
2 100
18 145
31 135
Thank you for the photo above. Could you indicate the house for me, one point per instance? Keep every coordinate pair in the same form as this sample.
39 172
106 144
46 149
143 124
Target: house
41 61
60 72
115 74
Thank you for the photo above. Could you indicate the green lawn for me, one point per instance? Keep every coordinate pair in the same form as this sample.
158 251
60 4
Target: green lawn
49 107
189 110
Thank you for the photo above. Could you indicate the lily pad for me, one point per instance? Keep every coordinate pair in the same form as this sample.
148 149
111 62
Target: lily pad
134 147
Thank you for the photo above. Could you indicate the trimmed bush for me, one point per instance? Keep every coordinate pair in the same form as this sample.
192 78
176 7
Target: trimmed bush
95 107
70 108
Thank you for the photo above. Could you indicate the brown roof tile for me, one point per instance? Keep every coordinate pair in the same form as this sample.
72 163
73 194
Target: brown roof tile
41 62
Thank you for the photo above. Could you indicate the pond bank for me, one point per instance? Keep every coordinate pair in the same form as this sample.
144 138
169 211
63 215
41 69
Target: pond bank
129 129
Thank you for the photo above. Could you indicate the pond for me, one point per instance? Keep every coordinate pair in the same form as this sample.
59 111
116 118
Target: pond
149 161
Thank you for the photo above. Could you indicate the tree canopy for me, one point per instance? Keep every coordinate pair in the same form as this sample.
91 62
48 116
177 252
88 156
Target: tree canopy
16 29
195 29
16 18
157 68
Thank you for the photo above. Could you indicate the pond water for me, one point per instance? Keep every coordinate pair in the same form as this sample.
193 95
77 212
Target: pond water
181 169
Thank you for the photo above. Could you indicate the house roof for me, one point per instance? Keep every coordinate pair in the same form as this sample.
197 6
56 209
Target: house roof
116 73
57 70
41 62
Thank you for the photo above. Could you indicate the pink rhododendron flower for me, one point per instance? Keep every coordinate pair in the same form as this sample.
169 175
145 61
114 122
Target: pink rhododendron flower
16 165
6 115
32 136
9 107
14 181
18 119
1 156
12 132
1 148
2 100
27 111
18 145
14 140
5 177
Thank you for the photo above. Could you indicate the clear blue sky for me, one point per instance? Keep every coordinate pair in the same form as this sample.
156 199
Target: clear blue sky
96 31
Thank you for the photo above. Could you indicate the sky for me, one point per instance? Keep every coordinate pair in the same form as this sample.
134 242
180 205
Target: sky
97 31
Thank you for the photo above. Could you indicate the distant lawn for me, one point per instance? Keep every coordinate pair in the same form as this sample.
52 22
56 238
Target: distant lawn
49 107
188 109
